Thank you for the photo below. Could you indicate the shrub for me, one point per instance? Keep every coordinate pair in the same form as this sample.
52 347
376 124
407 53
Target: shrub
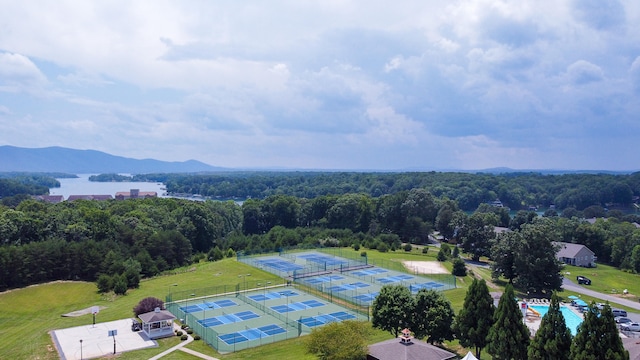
184 326
179 333
408 247
425 250
189 331
363 254
119 285
442 255
459 268
147 304
104 283
184 337
196 337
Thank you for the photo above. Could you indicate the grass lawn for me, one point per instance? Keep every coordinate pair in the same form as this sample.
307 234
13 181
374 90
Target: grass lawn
607 280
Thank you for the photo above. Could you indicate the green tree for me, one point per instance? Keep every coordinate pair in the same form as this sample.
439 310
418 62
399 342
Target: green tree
597 337
504 252
553 339
508 338
132 271
432 317
477 233
346 340
119 284
459 267
104 283
474 320
538 269
215 254
392 309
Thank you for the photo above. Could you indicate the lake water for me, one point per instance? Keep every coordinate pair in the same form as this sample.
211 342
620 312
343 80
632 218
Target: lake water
82 186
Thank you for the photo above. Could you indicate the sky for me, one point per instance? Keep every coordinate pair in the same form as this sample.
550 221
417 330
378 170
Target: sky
353 85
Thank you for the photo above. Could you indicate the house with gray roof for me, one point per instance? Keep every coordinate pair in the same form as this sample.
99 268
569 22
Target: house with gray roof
575 254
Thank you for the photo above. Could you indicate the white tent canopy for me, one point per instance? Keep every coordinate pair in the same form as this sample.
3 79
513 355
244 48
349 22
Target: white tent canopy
469 356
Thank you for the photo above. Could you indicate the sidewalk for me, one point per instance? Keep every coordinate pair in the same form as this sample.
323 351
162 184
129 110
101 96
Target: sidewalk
181 347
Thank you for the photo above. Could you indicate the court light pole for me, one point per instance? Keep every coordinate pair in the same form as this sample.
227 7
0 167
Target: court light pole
80 349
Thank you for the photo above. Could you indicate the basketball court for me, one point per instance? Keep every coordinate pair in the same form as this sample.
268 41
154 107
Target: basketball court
93 341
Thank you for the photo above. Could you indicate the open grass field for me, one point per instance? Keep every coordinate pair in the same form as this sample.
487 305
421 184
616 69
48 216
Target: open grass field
27 315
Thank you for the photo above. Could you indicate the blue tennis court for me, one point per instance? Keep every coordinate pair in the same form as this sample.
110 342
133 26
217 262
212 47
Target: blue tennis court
367 298
369 272
297 306
280 264
252 334
323 259
428 285
228 318
345 287
208 306
321 279
273 295
393 279
326 318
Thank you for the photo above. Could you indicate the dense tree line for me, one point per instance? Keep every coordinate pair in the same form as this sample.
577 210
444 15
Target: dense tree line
160 234
13 187
84 239
469 190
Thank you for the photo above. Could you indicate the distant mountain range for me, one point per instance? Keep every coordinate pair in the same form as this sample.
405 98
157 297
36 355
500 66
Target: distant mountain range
59 159
73 161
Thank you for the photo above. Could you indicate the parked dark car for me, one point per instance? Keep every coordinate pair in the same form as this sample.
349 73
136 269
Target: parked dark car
135 325
583 280
622 320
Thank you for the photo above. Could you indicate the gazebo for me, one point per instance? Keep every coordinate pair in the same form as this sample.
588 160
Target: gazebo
407 348
158 323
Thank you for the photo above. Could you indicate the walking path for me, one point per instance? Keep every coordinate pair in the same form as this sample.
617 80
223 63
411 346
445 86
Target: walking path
181 347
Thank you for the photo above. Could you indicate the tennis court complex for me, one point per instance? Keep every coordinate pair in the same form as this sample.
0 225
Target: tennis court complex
354 280
253 317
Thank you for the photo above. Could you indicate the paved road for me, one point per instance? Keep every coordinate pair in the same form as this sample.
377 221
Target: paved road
571 286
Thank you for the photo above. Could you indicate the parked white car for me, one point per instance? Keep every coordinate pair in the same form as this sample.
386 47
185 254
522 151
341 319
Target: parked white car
630 327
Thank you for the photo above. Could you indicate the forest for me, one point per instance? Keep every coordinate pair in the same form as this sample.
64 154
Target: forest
121 241
515 190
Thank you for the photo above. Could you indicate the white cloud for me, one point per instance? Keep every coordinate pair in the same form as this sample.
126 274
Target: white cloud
18 73
472 83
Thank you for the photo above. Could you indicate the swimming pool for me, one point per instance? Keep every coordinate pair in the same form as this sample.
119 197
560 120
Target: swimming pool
570 318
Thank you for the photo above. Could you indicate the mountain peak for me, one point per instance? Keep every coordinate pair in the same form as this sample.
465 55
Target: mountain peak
61 159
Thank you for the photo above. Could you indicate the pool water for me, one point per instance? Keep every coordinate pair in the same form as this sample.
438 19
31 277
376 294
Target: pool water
570 318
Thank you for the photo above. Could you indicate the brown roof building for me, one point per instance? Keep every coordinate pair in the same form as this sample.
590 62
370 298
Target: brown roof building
135 194
407 348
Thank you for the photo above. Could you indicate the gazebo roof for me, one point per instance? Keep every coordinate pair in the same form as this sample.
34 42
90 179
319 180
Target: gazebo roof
155 316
